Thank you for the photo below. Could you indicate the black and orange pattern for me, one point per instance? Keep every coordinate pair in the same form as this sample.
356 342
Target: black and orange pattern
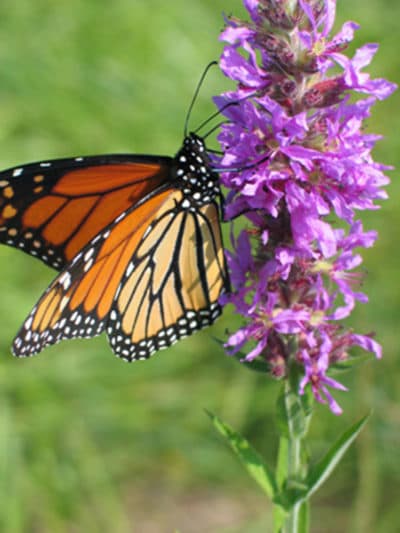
53 209
137 240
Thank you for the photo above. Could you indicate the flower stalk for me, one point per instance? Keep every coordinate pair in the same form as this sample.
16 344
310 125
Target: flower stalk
295 128
296 463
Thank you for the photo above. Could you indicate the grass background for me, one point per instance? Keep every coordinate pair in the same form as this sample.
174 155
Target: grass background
90 444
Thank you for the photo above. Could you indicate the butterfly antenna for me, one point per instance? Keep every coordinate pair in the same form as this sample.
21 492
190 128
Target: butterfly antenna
196 93
250 166
222 109
214 128
209 119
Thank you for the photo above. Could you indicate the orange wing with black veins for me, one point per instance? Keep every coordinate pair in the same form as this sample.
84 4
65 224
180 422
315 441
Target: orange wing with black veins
52 210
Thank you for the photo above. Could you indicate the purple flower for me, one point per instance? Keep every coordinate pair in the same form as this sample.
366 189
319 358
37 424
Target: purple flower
298 134
315 375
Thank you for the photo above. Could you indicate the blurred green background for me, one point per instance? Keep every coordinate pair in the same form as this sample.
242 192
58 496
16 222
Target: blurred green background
90 444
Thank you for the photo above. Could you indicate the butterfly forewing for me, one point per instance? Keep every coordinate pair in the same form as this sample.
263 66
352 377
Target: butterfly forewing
52 210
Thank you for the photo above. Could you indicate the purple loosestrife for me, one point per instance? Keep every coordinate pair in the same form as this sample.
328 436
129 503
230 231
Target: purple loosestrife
303 170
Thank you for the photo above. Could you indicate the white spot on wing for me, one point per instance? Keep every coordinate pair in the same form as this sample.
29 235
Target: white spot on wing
65 280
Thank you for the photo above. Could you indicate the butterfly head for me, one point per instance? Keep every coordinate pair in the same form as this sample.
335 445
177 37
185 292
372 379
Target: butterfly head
194 172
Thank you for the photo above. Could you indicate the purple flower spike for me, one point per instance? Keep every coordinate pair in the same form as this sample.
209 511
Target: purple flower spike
298 133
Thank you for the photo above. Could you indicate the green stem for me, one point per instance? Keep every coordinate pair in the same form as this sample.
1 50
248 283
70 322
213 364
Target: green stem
293 467
292 523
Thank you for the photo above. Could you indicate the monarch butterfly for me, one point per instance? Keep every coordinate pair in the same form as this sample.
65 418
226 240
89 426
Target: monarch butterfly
136 240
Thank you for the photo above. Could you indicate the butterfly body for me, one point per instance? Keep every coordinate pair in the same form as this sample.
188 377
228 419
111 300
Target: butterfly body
137 241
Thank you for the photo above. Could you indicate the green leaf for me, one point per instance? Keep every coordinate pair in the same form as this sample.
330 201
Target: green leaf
253 462
323 469
280 515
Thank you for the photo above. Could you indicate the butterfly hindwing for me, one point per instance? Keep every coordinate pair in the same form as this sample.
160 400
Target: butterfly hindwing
172 284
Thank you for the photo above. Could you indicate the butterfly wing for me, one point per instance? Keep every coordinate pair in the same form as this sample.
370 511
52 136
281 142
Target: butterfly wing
51 210
172 284
153 276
